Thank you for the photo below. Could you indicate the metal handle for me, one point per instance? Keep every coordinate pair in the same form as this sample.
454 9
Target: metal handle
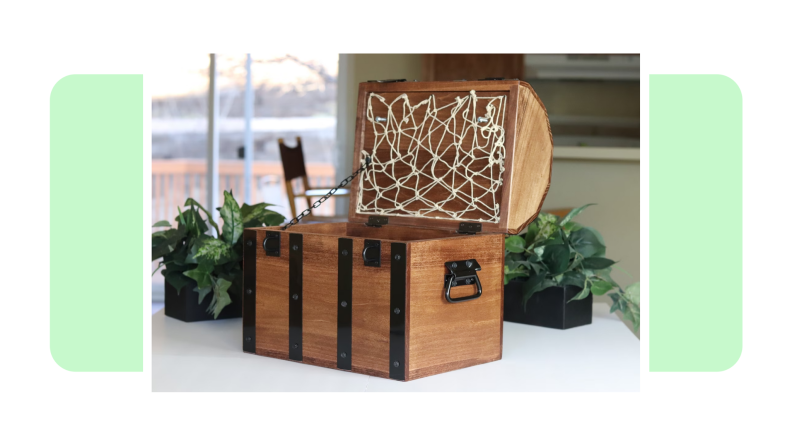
450 284
462 272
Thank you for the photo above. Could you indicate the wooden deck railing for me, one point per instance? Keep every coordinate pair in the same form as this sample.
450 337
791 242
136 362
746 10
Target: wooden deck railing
173 181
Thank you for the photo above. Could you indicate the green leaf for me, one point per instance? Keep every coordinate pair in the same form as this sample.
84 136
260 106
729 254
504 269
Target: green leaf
232 219
162 223
633 294
530 287
212 249
600 287
515 244
597 263
221 298
531 232
556 257
601 251
176 279
585 242
193 222
572 226
191 202
201 275
574 278
202 292
258 215
582 294
165 242
573 213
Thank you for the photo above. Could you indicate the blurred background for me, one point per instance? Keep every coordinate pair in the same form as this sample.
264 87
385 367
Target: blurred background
205 107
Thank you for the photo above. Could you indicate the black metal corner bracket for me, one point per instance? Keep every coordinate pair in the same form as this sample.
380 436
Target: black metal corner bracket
462 272
344 330
249 291
398 303
295 296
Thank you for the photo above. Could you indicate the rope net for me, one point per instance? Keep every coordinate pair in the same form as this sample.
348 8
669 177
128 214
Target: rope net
431 160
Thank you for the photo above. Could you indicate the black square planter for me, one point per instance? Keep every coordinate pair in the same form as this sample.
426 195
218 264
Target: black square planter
183 305
547 308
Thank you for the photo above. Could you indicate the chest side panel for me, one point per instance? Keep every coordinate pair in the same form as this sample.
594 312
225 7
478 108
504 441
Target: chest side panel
320 304
435 155
371 313
272 301
445 336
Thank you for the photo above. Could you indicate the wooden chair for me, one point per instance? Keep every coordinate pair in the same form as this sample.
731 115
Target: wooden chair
294 168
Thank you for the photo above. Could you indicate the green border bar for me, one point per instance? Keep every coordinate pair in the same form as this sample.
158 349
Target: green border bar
96 217
695 240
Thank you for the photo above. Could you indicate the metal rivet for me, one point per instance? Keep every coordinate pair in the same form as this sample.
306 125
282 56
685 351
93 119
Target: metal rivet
453 265
397 257
295 297
396 363
295 345
343 303
249 291
250 242
343 354
468 281
396 310
295 248
344 252
469 263
248 339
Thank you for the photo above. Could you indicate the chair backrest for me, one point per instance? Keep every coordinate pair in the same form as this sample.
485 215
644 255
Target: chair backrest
292 160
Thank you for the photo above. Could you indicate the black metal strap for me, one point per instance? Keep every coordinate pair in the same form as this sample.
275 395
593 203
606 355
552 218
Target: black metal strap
249 293
344 331
332 192
295 296
398 300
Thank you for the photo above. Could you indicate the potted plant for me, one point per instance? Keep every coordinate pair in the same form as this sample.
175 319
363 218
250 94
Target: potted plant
203 274
553 269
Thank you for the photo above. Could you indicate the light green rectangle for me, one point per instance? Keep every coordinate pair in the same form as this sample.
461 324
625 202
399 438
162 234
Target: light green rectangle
695 208
96 218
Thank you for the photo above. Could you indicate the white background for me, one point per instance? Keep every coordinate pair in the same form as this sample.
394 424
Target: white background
748 42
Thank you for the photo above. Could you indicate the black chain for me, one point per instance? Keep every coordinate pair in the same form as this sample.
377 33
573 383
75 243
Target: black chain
319 202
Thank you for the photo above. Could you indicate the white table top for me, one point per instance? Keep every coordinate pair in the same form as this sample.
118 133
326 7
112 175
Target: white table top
207 356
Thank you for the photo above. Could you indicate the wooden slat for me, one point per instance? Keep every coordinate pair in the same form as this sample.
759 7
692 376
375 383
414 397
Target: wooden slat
370 313
272 302
320 299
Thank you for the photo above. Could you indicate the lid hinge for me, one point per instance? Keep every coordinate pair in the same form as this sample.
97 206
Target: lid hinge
378 222
469 228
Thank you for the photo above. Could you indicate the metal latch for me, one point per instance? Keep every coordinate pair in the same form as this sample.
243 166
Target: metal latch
462 272
371 253
469 228
271 244
377 221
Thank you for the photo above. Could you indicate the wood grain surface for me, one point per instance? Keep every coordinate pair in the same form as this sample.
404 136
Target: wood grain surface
446 336
320 299
370 312
272 300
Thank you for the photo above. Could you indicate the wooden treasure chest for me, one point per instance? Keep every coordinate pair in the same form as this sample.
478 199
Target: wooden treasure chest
412 285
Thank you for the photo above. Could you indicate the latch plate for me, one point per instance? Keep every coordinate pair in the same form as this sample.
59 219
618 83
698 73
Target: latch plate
271 244
469 228
376 221
371 253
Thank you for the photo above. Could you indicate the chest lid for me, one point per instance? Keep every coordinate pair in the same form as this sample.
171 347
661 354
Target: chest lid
445 153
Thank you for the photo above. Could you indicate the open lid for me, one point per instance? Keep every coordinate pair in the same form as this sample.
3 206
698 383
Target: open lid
445 153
